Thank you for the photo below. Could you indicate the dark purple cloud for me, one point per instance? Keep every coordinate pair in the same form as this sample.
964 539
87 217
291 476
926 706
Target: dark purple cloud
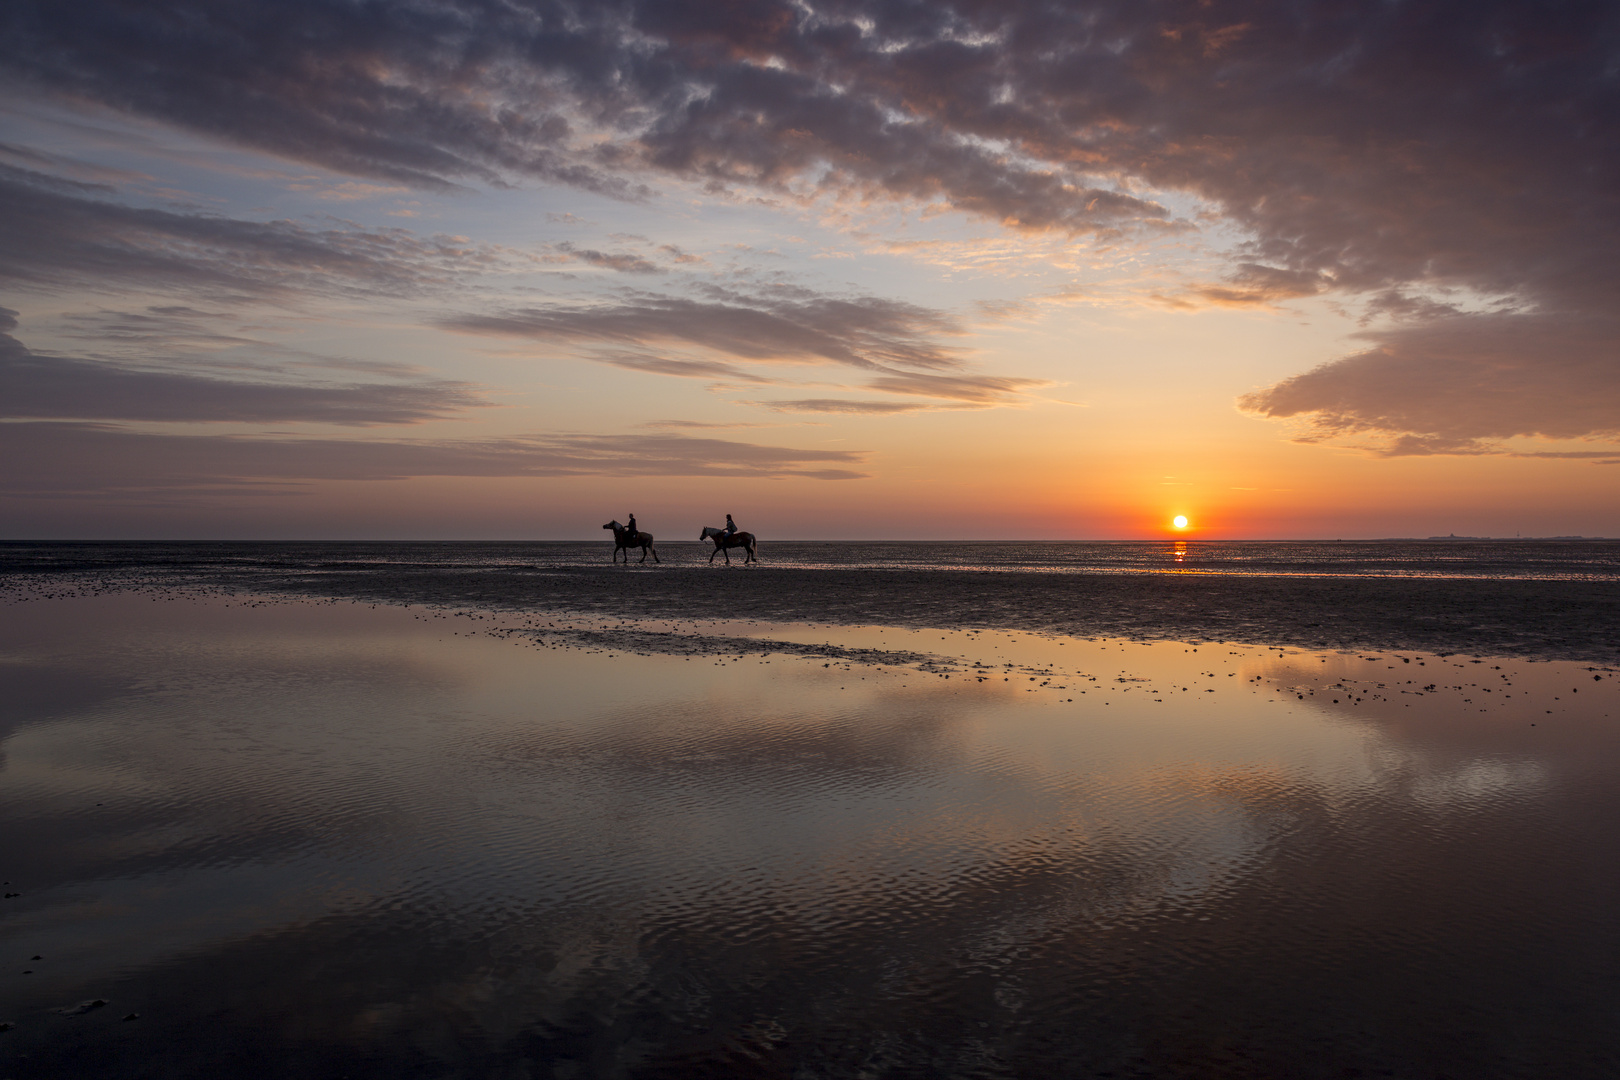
1394 150
36 386
46 459
1453 385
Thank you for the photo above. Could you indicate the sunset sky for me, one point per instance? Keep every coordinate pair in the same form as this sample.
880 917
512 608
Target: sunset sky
509 268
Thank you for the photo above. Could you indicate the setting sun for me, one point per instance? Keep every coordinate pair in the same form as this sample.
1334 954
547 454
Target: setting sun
1179 522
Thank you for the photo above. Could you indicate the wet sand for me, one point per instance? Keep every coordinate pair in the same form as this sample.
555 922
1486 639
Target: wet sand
1569 620
297 835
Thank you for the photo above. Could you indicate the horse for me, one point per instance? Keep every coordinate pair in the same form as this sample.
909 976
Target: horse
624 540
723 540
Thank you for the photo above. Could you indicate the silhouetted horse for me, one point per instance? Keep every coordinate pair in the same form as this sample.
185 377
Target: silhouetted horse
624 540
723 540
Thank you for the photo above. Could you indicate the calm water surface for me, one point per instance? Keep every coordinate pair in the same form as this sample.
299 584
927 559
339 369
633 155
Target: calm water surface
313 839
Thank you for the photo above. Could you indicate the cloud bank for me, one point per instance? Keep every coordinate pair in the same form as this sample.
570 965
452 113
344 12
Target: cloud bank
1458 385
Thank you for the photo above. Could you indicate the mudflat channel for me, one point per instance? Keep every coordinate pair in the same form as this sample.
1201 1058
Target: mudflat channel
279 834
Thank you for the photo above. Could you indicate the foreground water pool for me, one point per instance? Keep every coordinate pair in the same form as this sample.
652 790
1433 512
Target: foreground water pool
310 839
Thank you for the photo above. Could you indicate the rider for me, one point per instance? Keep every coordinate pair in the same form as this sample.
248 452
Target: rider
632 525
731 526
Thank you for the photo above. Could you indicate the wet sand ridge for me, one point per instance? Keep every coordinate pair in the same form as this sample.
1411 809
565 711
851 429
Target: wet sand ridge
1570 620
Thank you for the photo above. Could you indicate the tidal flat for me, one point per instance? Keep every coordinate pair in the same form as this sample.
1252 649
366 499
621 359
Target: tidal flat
286 833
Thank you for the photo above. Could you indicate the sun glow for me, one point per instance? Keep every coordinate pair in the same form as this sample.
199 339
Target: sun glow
1179 521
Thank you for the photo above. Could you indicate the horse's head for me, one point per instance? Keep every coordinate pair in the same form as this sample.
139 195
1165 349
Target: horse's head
707 533
614 525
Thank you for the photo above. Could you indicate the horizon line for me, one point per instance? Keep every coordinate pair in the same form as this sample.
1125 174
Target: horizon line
808 540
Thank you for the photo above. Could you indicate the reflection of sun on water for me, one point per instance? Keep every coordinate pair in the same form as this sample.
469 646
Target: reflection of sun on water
1181 550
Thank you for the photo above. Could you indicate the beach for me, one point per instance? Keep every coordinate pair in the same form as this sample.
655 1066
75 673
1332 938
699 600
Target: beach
371 813
1545 601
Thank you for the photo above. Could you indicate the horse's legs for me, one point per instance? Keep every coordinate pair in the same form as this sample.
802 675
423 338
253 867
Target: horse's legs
713 553
654 551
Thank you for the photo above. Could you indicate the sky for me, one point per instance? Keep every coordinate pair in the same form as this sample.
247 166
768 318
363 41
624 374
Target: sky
865 269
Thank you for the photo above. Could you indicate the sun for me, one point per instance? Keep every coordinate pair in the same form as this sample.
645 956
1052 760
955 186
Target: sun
1179 521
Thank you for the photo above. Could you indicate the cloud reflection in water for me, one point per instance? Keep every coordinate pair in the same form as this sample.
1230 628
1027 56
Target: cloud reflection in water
385 840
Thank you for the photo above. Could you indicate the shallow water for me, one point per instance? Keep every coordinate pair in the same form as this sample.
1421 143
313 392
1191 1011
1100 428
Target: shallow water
306 838
1492 560
1540 600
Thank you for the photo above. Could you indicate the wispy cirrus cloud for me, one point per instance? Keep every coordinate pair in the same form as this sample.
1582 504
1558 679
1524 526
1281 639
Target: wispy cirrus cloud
37 386
699 425
56 232
865 332
56 460
963 391
680 367
623 262
974 389
218 339
843 405
887 340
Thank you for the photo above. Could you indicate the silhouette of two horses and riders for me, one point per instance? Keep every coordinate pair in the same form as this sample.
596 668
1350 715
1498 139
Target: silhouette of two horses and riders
628 536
